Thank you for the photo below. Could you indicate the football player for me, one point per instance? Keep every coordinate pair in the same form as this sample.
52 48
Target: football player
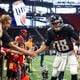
61 35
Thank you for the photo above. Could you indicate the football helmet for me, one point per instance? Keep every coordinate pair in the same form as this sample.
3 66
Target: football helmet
56 22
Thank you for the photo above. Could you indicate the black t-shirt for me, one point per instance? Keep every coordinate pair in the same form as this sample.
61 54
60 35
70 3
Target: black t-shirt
6 38
61 39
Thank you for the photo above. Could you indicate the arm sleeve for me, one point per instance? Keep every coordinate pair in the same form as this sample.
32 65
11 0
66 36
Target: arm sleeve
48 39
73 34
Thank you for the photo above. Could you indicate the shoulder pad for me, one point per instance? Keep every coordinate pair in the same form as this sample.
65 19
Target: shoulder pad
69 26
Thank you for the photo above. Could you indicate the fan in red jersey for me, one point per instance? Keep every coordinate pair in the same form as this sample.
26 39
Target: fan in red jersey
23 36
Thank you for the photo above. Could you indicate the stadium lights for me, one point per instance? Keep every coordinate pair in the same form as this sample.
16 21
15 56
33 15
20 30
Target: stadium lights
5 7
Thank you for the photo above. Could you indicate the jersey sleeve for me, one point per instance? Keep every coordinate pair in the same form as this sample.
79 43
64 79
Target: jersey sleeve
48 38
72 33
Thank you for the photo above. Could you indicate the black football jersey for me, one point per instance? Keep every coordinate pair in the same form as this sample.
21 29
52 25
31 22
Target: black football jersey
62 39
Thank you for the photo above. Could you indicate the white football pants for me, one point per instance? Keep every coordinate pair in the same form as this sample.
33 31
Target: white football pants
61 60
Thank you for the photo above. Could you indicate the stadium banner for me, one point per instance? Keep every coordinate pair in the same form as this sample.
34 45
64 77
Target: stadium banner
19 11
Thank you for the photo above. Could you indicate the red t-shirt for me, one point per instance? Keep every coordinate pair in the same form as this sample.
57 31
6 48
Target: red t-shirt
20 59
12 60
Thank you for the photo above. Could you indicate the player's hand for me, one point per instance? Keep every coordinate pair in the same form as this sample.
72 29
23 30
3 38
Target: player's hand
30 53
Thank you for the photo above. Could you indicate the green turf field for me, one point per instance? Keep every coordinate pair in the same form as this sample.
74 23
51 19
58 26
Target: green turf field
36 69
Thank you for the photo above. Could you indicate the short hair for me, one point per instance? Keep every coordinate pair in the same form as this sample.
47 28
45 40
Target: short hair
21 43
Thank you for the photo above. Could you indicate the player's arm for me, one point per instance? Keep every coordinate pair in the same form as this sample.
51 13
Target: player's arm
8 50
76 37
14 51
15 47
73 34
41 49
46 44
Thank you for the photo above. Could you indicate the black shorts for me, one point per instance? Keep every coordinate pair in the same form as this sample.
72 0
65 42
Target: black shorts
11 74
